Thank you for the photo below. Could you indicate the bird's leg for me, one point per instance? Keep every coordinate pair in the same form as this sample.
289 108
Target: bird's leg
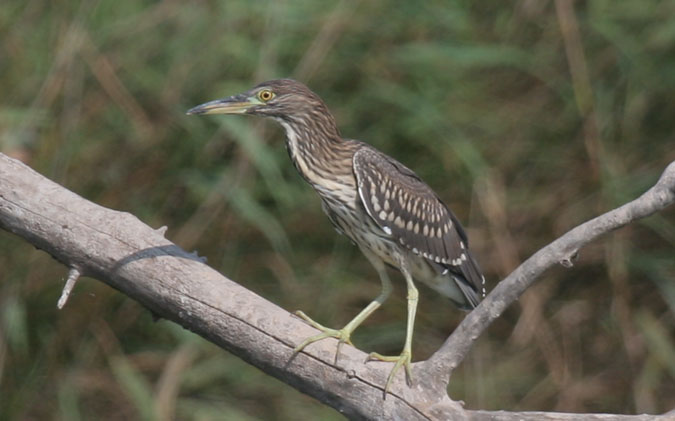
344 335
406 355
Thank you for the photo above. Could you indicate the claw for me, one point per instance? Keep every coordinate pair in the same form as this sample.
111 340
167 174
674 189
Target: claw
401 360
342 335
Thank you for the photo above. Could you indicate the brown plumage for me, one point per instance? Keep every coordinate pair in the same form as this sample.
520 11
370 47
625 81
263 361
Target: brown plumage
379 203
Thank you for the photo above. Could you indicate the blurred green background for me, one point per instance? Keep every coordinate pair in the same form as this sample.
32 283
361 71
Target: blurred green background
527 117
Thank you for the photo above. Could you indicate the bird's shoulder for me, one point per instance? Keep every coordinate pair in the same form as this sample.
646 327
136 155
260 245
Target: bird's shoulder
368 159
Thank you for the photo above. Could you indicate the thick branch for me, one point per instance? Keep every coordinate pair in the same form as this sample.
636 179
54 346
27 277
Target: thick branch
563 250
120 250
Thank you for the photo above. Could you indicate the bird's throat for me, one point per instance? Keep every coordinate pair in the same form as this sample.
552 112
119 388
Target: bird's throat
322 158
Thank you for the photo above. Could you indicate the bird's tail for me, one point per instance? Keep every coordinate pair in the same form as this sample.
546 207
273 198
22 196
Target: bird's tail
470 281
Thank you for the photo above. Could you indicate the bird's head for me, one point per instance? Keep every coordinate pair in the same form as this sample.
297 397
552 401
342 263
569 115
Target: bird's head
284 99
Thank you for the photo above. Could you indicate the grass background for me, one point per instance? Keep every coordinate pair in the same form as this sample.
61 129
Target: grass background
527 117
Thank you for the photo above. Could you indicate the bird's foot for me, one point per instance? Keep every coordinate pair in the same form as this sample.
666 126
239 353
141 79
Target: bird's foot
400 360
342 335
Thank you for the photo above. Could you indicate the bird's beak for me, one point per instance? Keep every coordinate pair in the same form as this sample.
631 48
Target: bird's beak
237 104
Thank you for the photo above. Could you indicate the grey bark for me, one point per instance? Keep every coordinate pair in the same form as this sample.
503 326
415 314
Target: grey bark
120 250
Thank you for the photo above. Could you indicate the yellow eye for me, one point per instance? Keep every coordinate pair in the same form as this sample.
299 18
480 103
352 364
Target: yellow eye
265 95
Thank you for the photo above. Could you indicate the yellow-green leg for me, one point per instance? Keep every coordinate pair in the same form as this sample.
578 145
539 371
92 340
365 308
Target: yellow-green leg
344 335
406 355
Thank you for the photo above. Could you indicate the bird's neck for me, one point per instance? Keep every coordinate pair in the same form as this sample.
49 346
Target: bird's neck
318 152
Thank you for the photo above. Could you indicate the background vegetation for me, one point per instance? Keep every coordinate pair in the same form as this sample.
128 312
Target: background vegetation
528 117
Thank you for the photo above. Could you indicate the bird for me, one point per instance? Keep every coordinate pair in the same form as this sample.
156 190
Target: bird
386 209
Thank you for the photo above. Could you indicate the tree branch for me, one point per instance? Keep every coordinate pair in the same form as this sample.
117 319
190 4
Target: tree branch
564 250
118 249
126 254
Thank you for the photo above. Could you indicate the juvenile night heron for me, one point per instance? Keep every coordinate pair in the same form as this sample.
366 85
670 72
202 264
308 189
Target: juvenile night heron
376 201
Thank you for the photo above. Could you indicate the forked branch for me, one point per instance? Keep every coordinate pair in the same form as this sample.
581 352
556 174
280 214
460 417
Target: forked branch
563 251
118 249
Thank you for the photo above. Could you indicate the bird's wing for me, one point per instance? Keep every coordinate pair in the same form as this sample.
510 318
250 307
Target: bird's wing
410 212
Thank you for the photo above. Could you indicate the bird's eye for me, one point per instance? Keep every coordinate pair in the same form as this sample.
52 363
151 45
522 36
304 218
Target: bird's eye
265 95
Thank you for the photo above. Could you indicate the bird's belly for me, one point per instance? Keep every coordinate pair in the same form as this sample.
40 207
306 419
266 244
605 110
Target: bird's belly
383 247
420 269
355 223
368 235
